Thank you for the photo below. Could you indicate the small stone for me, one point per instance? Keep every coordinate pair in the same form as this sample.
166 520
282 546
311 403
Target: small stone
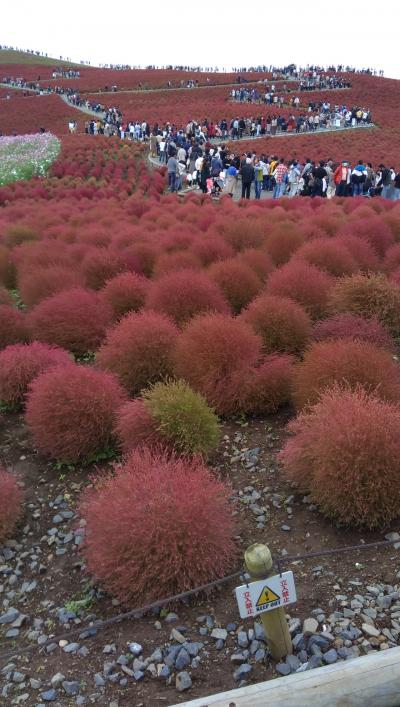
330 656
285 527
10 616
35 684
138 675
18 677
259 656
310 626
171 617
371 630
183 681
71 687
71 648
163 670
177 636
57 679
242 672
99 680
219 633
49 696
293 662
135 648
182 659
157 625
283 669
242 639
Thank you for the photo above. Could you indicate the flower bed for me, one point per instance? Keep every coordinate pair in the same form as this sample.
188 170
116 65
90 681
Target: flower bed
27 156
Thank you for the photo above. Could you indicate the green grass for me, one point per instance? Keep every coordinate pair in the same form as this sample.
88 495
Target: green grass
8 56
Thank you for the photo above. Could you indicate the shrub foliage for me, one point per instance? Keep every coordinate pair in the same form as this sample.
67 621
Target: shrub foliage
71 412
153 508
345 452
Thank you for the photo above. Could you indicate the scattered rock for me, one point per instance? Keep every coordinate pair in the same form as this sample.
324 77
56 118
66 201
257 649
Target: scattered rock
183 681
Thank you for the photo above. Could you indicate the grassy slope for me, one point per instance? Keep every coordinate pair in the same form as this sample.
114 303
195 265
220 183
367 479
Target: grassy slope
13 57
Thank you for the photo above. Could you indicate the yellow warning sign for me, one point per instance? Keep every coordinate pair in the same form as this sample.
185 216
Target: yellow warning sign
267 596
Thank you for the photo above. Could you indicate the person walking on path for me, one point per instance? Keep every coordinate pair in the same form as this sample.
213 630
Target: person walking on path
173 172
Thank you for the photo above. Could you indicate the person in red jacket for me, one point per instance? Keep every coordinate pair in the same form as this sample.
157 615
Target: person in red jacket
341 178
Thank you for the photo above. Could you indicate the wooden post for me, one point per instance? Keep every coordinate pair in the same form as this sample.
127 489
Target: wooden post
258 561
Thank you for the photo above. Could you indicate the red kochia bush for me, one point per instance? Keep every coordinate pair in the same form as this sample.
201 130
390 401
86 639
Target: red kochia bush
283 241
345 452
100 265
21 363
157 507
213 353
71 411
136 427
35 284
371 295
269 386
282 323
174 262
10 504
351 326
373 229
13 328
73 319
303 283
125 293
238 282
329 256
182 295
355 363
139 349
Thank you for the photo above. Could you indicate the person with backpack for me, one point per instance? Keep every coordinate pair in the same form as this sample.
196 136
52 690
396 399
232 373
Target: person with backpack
358 178
258 178
386 180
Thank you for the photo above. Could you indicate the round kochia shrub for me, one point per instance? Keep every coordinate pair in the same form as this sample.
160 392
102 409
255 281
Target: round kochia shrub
213 353
100 265
153 508
21 363
10 504
345 452
13 328
71 412
352 326
181 295
269 386
237 280
282 323
73 319
303 283
175 416
329 256
125 293
343 361
139 349
38 283
369 296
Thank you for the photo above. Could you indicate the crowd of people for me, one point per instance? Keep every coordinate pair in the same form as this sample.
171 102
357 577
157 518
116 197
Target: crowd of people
269 94
216 170
319 117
